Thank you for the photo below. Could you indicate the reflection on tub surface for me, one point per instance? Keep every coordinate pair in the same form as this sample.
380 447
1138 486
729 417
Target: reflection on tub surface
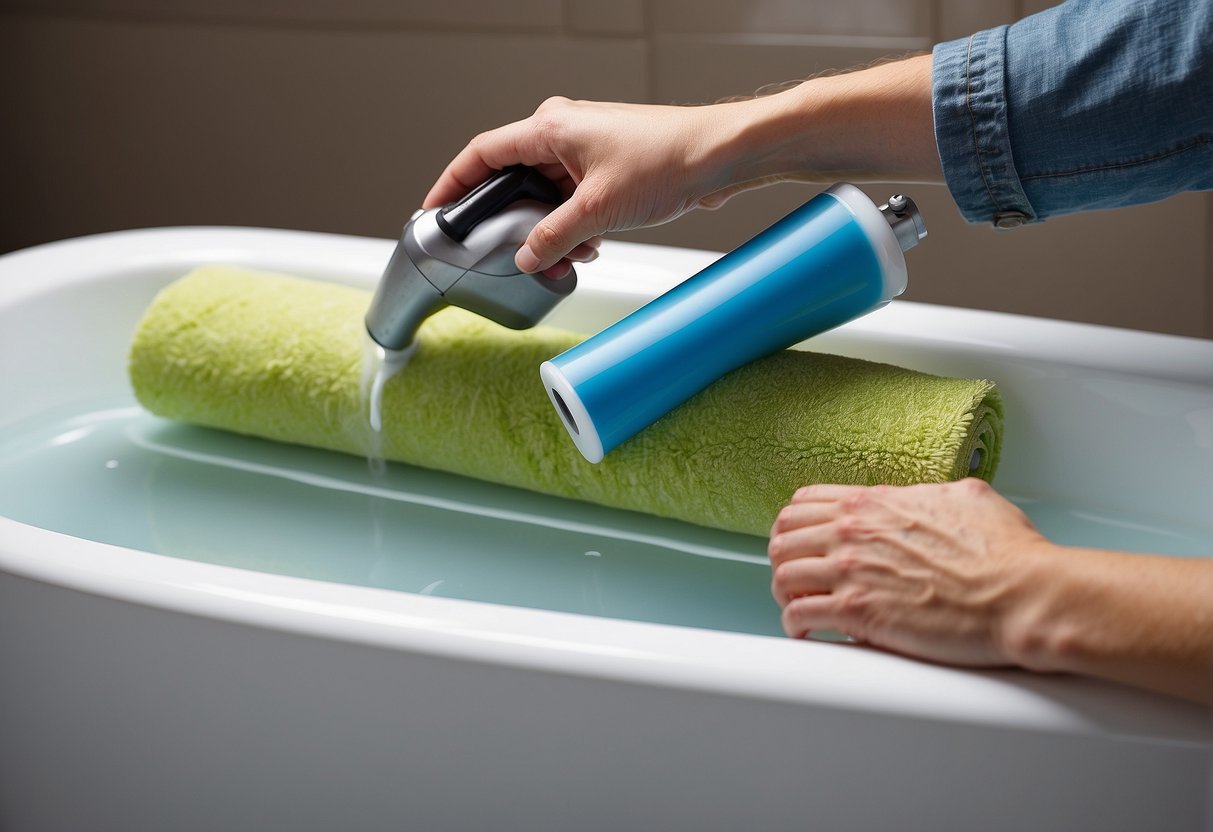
123 477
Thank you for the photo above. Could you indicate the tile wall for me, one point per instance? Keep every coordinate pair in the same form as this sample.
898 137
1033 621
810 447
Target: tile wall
336 115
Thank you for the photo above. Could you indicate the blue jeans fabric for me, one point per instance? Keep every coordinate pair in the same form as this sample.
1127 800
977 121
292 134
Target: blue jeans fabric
1090 104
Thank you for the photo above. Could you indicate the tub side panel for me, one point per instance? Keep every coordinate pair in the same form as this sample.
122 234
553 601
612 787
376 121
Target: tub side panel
114 716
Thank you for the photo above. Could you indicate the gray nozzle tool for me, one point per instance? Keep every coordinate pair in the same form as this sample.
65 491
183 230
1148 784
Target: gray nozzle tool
463 255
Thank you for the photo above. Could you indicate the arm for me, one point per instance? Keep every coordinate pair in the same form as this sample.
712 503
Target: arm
957 574
1090 104
629 165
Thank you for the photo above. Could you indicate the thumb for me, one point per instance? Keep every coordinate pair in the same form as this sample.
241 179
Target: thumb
568 225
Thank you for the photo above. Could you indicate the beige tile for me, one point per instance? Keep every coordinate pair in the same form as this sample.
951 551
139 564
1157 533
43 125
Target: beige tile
961 18
343 131
703 69
1138 267
1143 267
1027 7
907 18
478 15
617 17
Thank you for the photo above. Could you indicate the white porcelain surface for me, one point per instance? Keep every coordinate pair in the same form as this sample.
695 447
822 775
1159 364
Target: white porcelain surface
569 713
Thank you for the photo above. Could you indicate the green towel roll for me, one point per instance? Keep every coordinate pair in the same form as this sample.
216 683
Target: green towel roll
282 358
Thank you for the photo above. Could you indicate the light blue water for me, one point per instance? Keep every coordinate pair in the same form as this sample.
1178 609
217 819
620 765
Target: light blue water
123 477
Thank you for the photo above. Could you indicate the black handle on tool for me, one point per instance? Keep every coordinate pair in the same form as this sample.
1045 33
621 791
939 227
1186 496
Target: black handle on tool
510 185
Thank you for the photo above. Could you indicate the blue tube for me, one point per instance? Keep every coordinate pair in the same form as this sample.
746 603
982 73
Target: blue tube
828 262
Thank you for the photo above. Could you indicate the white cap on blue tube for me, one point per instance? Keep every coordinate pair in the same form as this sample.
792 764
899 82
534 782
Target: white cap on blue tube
572 412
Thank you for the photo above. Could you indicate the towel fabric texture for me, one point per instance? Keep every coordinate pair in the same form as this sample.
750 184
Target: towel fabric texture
282 358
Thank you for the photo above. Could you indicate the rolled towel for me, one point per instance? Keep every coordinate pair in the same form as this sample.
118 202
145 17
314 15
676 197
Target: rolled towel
282 358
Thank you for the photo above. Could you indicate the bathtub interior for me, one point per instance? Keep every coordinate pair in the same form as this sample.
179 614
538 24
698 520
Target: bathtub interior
1108 443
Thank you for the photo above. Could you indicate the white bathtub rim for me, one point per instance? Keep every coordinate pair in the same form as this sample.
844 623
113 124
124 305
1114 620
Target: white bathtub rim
756 667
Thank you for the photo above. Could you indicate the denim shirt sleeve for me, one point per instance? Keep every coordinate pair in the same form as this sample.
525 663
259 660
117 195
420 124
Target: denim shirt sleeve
1090 104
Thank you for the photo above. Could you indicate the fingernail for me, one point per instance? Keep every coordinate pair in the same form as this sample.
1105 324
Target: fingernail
526 260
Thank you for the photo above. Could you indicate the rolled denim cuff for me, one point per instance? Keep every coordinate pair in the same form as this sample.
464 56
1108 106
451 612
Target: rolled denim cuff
969 102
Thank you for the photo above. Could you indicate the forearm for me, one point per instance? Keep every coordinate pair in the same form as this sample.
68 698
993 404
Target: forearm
625 166
1139 619
869 125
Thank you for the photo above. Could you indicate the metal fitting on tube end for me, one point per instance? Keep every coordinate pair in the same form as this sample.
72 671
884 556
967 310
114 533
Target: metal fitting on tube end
905 220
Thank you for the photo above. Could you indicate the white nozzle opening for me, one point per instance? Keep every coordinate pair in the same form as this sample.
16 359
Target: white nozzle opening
573 415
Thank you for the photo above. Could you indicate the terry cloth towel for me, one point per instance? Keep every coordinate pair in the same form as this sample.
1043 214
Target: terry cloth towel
282 358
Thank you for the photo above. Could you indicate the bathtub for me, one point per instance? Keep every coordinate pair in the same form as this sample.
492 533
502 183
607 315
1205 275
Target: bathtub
201 631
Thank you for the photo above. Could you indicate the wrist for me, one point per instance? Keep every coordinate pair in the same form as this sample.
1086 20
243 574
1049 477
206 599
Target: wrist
1144 620
740 142
1033 630
870 125
764 138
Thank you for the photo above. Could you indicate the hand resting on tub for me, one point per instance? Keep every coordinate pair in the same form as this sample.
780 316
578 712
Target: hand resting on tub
958 574
951 572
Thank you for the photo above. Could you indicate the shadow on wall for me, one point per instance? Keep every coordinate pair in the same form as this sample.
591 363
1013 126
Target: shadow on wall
338 116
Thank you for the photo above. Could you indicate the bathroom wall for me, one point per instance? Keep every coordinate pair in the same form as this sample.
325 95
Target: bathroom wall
336 115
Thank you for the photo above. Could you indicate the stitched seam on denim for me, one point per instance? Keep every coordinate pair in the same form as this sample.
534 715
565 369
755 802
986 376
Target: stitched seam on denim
1194 145
973 125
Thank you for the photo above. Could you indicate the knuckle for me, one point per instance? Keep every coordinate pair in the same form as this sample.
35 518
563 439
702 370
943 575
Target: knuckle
547 129
847 562
781 574
783 520
593 198
857 502
974 487
549 238
479 140
775 548
849 527
553 102
807 492
781 550
785 619
548 121
854 605
790 618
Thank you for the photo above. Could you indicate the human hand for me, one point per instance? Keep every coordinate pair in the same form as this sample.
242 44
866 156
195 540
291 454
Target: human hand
937 571
620 166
